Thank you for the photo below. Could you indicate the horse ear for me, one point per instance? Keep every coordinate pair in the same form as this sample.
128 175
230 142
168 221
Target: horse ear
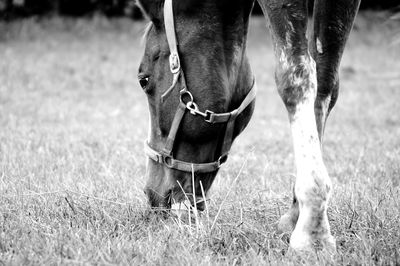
151 8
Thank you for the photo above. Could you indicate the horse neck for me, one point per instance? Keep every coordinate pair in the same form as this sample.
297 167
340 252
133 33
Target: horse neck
239 72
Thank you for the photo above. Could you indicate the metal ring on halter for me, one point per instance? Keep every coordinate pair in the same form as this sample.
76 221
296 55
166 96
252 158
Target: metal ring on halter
194 108
187 93
174 63
167 160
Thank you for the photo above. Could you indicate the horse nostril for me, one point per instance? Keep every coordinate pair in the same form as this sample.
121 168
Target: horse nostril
200 206
150 197
157 199
147 191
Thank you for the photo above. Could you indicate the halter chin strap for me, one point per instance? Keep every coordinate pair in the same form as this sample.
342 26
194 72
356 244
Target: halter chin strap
187 103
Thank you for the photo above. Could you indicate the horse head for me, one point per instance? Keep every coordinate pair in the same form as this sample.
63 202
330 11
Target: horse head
200 92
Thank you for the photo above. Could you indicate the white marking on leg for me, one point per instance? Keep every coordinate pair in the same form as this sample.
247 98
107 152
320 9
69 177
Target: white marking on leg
313 183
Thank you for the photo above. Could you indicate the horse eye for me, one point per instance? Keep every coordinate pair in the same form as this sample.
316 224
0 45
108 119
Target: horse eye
144 82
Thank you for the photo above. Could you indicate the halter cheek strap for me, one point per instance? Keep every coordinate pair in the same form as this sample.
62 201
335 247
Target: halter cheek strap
165 156
174 61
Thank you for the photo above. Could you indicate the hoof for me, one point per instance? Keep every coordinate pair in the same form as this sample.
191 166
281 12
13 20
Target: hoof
305 243
288 221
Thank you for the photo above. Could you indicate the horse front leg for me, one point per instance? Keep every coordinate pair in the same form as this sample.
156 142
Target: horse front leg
296 79
332 23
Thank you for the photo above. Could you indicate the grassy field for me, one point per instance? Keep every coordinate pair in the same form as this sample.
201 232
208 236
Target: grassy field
72 124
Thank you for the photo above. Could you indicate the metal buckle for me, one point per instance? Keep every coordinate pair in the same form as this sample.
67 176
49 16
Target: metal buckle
193 107
159 158
174 63
208 116
194 110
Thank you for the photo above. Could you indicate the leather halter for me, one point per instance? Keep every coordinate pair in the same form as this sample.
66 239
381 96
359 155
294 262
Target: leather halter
187 103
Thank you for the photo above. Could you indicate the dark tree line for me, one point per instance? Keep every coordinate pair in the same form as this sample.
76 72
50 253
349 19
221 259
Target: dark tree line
22 8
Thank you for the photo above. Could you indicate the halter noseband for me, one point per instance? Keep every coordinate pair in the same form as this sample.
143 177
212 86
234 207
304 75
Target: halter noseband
165 156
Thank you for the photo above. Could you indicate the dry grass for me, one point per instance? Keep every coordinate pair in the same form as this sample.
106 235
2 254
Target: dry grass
72 124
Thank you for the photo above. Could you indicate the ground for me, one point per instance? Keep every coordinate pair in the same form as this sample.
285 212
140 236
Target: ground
72 124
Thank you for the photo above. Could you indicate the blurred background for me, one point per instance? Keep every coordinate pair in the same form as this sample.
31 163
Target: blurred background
11 9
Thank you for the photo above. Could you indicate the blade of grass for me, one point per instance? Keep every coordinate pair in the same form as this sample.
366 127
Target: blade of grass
229 191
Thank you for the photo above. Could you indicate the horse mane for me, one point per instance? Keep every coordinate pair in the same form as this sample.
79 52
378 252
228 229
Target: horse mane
153 8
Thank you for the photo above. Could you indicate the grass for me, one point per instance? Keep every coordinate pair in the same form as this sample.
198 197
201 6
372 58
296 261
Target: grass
72 124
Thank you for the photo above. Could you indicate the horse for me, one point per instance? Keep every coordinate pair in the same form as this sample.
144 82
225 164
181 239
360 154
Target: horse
201 95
